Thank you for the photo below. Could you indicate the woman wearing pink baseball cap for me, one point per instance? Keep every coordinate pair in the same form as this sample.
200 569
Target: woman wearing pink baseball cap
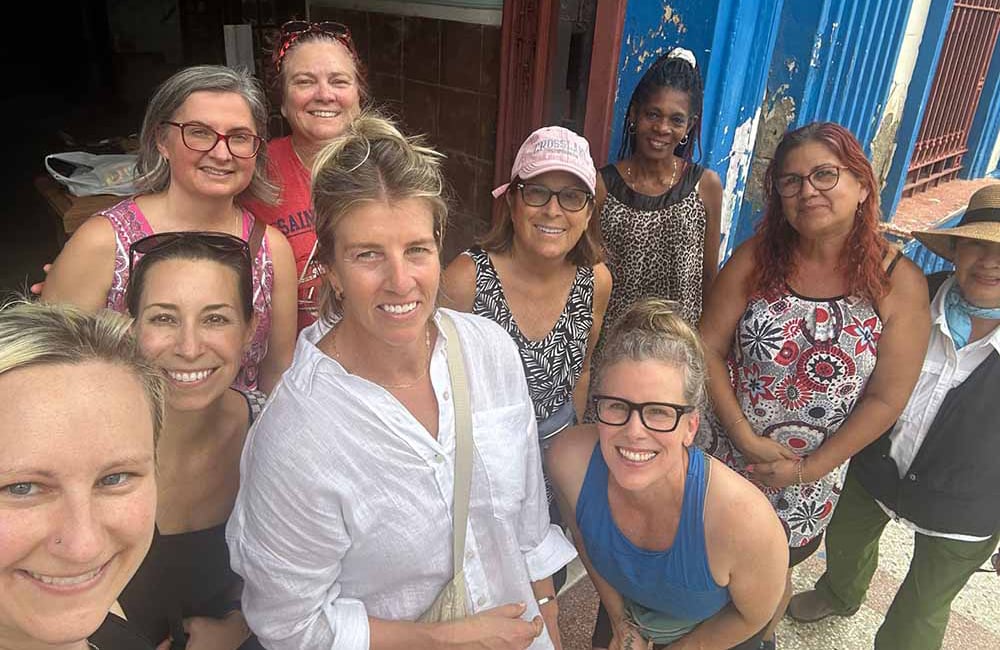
538 272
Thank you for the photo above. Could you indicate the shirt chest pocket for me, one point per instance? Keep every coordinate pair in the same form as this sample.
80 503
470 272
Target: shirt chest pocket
501 437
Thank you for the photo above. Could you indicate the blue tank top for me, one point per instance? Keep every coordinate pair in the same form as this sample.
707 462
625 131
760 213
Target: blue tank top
675 583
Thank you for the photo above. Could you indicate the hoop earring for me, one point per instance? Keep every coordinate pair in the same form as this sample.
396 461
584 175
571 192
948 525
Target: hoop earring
631 128
684 140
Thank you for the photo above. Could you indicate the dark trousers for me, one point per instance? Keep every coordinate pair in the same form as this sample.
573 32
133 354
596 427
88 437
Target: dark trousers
919 613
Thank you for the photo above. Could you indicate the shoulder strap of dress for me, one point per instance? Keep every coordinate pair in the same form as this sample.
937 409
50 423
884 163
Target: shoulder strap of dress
256 237
892 264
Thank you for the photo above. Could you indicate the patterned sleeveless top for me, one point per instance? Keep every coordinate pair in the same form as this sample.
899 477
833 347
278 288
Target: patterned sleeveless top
797 367
552 365
130 225
655 244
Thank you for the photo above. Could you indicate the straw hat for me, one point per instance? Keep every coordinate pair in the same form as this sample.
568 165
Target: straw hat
980 221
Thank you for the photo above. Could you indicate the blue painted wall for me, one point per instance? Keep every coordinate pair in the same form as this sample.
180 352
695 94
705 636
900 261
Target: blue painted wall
834 61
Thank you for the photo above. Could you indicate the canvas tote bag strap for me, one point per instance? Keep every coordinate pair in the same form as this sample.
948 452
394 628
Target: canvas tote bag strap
256 237
463 440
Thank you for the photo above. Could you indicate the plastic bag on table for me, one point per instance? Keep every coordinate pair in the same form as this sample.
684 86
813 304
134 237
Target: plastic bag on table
86 174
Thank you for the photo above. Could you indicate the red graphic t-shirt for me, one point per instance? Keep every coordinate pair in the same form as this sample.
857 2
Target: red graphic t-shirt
293 216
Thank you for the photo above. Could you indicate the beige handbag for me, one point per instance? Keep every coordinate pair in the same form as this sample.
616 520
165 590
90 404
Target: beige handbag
450 603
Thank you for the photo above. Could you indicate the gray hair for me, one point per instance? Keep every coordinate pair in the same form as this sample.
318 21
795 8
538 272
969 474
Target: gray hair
152 168
652 329
372 161
33 334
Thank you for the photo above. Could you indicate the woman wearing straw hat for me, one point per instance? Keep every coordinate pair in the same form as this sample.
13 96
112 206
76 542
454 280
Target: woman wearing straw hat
935 470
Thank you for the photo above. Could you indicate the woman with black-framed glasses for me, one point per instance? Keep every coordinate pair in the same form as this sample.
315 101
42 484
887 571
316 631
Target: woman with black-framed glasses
201 158
323 86
539 273
677 559
815 331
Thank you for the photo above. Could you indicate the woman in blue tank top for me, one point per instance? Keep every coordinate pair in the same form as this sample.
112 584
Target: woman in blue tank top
682 550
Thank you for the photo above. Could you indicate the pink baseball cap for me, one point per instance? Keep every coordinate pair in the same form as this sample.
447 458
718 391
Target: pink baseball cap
553 148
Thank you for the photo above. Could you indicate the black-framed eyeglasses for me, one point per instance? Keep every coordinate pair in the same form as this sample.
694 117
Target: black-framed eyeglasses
198 137
662 417
572 199
824 178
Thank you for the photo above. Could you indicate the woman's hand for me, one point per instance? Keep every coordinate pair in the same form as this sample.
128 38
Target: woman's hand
205 633
37 288
626 636
761 449
500 628
778 473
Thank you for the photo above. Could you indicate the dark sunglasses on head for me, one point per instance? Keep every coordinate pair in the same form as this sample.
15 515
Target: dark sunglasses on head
160 241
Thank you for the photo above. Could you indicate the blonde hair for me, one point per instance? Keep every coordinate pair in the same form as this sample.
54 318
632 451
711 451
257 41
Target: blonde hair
33 334
652 329
372 162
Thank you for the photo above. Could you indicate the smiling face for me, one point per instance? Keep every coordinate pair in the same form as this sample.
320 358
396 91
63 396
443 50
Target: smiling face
661 123
636 456
550 230
77 497
216 173
977 271
190 325
321 93
816 213
386 265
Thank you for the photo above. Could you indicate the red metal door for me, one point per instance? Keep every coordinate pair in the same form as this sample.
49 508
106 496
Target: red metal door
958 84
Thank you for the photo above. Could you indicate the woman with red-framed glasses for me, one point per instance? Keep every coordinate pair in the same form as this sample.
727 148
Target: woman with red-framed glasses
201 158
322 86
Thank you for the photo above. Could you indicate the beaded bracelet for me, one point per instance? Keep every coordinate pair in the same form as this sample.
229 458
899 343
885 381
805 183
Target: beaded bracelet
798 470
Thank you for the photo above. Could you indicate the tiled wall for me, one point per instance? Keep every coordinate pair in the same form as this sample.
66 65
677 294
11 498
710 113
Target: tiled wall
441 78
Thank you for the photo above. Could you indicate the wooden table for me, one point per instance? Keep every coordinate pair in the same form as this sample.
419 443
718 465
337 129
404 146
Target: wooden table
71 210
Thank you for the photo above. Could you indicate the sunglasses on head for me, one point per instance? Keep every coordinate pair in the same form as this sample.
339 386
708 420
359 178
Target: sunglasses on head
161 241
292 30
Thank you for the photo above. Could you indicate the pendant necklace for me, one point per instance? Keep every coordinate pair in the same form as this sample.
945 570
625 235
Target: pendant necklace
663 181
427 346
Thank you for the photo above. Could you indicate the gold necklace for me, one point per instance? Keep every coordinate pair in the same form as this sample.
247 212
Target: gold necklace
427 345
673 175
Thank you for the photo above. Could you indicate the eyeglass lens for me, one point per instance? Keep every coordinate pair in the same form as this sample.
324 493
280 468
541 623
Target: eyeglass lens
657 417
822 179
201 138
570 198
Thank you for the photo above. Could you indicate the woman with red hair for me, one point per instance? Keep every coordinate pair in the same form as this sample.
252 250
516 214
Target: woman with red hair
814 331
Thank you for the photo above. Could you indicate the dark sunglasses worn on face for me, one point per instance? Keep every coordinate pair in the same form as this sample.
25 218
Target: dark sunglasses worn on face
824 178
198 137
662 417
571 199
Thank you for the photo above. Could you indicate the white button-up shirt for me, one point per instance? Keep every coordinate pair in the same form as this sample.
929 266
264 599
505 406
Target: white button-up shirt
944 368
345 504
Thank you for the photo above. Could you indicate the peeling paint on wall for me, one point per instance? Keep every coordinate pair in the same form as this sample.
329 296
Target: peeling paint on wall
778 116
883 146
817 47
740 155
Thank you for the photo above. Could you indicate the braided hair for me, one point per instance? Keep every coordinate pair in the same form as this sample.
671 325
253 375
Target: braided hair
667 72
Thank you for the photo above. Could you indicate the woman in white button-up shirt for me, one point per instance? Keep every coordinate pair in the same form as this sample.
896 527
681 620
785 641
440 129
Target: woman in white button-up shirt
342 529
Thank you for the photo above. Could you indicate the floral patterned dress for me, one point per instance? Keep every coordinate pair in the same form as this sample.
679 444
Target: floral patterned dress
797 366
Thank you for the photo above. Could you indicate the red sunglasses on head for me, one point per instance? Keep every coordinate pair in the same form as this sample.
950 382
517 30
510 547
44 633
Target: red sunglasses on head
292 30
